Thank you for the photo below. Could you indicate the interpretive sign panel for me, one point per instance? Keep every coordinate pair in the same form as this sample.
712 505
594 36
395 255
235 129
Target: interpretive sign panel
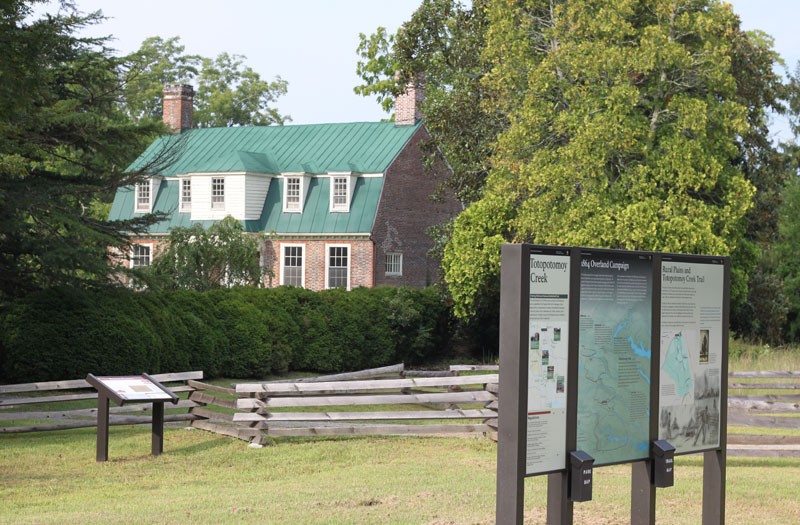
548 336
134 388
614 356
691 352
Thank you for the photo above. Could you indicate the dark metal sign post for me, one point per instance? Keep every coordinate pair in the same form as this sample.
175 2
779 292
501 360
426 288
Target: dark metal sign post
130 389
670 309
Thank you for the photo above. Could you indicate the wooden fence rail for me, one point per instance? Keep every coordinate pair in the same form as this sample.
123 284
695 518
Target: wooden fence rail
427 402
763 407
65 405
756 421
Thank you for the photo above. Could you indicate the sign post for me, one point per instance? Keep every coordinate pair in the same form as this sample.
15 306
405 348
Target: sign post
130 389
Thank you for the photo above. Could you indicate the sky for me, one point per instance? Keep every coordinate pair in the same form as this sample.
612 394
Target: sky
312 43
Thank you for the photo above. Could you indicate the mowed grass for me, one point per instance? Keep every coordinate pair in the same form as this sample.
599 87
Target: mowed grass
52 478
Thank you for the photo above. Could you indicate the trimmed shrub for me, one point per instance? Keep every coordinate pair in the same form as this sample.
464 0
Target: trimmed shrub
239 332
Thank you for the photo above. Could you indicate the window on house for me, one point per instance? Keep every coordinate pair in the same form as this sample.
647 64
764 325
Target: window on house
394 264
292 266
218 193
143 196
338 271
140 255
186 194
340 194
292 194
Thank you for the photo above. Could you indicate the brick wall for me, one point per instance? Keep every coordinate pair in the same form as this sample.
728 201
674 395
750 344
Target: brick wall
405 214
314 259
123 259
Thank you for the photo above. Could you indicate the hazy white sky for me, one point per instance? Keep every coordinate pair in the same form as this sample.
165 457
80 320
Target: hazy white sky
312 43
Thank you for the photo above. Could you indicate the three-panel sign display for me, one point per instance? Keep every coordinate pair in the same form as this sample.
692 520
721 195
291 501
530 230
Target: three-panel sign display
633 308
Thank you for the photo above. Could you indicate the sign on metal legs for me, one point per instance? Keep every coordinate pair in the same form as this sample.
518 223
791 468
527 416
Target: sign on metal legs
609 357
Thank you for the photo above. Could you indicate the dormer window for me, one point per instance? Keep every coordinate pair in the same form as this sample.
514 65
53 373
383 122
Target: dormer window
340 194
218 193
341 185
293 193
186 194
143 194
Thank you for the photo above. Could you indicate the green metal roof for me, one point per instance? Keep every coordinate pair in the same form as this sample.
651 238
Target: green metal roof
362 147
315 218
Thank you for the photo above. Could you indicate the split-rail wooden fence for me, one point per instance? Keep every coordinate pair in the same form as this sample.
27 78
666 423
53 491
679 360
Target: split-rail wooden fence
383 401
67 404
764 414
763 407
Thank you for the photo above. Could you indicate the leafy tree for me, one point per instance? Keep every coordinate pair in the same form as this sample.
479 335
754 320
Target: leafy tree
766 166
786 253
442 43
199 259
624 135
156 63
63 142
229 93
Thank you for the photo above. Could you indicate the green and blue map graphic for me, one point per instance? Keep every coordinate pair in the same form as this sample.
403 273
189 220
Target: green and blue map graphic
615 353
676 365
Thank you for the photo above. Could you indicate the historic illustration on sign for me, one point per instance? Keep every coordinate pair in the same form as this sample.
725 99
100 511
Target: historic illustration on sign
615 351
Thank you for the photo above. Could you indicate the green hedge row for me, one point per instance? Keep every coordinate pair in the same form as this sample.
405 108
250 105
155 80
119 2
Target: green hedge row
240 332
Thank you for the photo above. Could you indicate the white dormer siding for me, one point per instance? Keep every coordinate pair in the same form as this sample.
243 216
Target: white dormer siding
217 195
342 185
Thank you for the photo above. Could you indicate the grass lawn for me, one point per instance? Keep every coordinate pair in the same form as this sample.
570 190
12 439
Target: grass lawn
52 477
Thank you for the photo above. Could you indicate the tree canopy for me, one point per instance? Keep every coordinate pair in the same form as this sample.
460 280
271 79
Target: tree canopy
229 93
63 142
441 43
627 124
196 258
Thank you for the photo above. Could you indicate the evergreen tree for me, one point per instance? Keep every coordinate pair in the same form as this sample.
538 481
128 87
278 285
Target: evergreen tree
63 142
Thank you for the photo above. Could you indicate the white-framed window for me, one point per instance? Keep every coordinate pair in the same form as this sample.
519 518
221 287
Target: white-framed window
293 193
186 194
337 266
143 197
141 255
292 265
218 193
340 193
394 264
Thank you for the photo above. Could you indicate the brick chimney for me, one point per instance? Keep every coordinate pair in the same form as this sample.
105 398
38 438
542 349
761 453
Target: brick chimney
178 106
407 106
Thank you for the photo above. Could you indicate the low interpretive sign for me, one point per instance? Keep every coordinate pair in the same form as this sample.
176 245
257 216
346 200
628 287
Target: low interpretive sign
134 388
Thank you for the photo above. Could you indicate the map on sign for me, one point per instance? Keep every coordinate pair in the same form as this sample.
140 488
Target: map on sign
691 355
615 352
676 364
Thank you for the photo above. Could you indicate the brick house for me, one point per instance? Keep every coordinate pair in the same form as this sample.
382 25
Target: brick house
344 205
